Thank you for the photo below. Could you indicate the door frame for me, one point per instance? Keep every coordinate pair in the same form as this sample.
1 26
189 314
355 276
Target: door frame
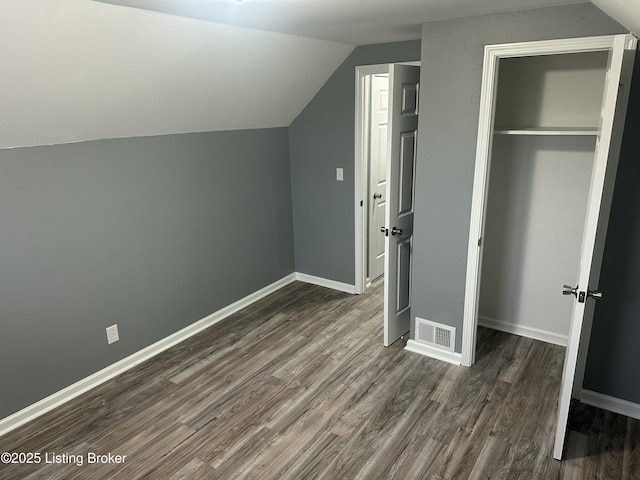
361 167
493 53
361 170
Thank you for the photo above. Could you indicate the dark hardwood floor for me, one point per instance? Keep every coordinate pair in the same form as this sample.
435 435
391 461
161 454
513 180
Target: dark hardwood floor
299 386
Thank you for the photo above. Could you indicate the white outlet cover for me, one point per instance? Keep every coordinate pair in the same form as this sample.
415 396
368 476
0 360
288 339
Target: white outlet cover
339 174
112 334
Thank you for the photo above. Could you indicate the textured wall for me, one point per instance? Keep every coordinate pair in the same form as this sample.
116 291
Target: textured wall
322 138
152 233
452 56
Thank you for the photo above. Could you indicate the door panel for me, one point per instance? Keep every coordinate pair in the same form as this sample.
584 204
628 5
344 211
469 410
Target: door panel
407 166
602 178
377 172
403 276
377 241
403 125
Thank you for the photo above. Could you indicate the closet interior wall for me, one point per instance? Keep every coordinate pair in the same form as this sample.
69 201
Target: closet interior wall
545 129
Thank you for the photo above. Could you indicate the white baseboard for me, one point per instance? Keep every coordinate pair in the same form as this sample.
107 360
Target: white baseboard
428 351
324 282
72 391
529 332
615 405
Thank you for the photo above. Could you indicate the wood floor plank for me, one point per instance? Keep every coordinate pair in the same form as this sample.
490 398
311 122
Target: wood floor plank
299 386
493 460
316 458
631 457
381 424
196 469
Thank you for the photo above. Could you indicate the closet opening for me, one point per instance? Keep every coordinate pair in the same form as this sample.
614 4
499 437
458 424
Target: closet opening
547 116
551 121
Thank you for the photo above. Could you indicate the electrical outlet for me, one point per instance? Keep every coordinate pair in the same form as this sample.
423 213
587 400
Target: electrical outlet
112 334
339 174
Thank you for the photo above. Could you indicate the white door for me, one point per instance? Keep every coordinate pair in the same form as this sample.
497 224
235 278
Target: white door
377 172
602 178
403 128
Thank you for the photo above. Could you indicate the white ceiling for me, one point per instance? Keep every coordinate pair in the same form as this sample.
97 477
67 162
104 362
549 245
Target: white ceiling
355 22
76 70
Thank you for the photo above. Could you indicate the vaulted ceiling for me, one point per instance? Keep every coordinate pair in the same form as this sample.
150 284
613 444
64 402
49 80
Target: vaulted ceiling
361 22
76 70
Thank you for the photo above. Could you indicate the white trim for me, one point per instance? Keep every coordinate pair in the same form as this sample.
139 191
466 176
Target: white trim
483 159
325 282
361 172
478 200
552 47
45 405
613 404
524 331
431 352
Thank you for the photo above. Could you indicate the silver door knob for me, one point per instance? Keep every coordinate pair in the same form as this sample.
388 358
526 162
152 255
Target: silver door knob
396 231
595 294
569 290
377 195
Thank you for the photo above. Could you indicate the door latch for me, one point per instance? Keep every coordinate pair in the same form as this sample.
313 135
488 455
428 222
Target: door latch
581 296
384 230
595 294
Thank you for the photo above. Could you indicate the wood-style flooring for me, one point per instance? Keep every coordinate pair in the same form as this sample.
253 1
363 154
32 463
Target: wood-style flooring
299 386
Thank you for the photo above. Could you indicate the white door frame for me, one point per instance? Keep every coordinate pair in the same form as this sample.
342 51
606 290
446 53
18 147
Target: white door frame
361 170
493 53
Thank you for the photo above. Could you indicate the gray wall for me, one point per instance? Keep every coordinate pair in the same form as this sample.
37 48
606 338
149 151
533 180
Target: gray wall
452 57
614 355
150 233
321 139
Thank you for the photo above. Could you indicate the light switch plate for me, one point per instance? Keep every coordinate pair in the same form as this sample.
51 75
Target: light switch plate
339 174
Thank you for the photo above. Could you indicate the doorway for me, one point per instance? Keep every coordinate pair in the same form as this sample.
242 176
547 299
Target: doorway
374 113
368 219
385 156
579 111
366 239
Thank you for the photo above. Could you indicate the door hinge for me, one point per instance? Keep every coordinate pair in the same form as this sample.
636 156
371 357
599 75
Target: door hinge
361 203
480 241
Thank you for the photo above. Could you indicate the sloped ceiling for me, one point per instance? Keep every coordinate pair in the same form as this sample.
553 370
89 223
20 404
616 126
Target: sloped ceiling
74 70
357 22
625 12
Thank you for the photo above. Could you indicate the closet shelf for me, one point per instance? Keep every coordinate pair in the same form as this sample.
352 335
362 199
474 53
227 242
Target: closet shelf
546 131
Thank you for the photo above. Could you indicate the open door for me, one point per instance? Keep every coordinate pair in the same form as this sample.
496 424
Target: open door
398 229
378 149
602 178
